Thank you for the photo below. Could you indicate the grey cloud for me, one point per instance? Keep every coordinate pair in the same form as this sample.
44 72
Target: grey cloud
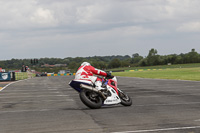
29 27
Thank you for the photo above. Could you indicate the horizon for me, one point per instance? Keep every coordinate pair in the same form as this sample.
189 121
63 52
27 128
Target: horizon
100 56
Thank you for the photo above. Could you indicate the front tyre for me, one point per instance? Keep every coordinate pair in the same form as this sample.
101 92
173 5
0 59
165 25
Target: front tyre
125 99
91 99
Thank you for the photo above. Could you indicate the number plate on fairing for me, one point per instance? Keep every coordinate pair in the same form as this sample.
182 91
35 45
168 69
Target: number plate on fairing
113 99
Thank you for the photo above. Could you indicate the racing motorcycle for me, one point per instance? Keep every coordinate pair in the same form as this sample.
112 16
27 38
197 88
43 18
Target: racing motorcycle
95 99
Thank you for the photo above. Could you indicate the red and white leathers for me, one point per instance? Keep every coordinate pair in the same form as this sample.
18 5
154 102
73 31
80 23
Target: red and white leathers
87 72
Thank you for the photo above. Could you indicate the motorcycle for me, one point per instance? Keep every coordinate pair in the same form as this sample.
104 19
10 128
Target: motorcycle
95 99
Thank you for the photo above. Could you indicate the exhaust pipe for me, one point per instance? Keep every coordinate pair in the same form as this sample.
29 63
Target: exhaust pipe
92 89
88 87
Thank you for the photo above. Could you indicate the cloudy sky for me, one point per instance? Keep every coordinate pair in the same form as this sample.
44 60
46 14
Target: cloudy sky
81 28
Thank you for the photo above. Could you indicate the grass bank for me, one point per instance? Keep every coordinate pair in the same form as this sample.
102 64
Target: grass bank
175 73
191 65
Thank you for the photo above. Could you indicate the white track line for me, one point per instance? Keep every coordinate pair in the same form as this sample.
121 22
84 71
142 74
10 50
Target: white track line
157 130
34 96
170 104
16 82
13 83
42 101
21 111
9 84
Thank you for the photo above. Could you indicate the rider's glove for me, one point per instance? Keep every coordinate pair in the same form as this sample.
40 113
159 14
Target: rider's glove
109 76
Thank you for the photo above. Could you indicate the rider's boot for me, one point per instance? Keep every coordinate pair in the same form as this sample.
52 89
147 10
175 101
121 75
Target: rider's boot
98 85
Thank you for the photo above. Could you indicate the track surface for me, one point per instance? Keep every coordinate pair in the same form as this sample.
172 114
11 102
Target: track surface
49 105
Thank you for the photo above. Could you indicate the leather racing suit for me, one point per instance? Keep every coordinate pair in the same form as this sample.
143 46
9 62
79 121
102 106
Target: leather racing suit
86 72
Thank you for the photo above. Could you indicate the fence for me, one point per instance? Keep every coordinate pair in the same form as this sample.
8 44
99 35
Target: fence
24 75
11 76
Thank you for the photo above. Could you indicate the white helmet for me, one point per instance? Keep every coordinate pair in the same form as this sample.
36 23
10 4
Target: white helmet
85 64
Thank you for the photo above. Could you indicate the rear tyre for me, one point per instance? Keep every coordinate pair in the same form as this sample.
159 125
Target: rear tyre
91 99
125 99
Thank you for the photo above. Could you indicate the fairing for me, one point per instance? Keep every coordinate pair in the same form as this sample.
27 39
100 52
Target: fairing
76 84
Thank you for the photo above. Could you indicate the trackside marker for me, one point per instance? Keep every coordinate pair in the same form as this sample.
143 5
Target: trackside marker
156 130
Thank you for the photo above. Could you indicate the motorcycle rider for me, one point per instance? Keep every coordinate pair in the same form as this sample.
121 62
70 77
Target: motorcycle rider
87 72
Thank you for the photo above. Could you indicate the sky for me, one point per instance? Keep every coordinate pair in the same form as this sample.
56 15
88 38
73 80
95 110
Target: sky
83 28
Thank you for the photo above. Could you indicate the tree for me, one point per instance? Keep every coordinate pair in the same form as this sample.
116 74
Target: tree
193 56
152 52
125 63
135 55
143 62
136 58
153 58
73 65
115 63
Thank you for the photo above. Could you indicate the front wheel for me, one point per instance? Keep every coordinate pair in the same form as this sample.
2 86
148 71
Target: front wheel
91 99
125 99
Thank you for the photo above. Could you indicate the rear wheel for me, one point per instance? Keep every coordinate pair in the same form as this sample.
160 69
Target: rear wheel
91 99
125 99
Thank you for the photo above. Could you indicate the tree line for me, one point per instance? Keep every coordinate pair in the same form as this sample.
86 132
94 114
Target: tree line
109 62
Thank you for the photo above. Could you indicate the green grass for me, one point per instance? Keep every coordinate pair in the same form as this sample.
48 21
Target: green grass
176 73
191 65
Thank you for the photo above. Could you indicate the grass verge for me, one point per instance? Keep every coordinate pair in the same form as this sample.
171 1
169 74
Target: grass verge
176 73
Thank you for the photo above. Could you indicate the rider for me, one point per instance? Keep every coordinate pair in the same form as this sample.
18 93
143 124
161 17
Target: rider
86 72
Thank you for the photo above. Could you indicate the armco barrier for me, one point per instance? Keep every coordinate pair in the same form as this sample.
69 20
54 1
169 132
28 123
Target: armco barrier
66 74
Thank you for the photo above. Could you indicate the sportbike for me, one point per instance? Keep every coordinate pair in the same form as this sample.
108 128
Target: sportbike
95 99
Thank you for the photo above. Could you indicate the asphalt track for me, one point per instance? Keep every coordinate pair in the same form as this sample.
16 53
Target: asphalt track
49 105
